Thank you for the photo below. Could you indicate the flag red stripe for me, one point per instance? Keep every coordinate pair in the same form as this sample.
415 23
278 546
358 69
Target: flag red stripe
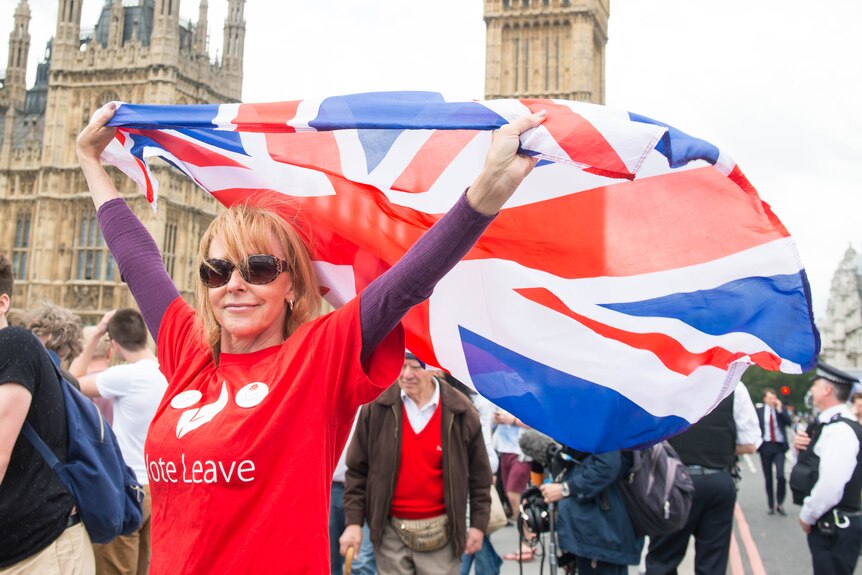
273 116
314 150
432 160
648 225
580 139
668 350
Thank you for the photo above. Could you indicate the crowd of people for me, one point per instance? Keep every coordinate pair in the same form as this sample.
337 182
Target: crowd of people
261 426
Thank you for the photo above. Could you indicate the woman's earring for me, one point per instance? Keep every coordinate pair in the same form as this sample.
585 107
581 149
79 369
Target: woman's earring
290 304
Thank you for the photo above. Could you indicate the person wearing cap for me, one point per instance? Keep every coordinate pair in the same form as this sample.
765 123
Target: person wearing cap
831 513
416 459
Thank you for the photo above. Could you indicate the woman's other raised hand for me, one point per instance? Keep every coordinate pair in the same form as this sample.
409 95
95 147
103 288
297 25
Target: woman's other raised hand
504 168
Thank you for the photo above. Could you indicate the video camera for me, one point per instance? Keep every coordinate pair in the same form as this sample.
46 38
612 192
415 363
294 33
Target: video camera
555 460
535 516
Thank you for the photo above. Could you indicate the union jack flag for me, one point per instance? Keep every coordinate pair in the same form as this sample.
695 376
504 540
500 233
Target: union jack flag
616 299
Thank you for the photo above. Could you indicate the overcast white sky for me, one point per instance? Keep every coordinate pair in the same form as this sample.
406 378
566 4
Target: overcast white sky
777 84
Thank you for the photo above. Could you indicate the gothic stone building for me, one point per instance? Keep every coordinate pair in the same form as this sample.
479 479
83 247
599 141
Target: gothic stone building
137 52
546 49
842 331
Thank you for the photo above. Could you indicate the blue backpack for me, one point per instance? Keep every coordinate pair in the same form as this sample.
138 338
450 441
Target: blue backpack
107 493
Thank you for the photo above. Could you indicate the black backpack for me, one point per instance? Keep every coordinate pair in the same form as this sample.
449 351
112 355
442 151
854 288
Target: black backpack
658 490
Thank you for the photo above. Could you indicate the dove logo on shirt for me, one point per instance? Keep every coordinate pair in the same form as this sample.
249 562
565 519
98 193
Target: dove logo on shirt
198 416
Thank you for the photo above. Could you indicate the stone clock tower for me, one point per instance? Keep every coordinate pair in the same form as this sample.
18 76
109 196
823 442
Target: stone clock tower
546 49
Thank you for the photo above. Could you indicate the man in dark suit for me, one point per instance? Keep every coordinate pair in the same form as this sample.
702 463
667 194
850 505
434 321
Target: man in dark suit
774 420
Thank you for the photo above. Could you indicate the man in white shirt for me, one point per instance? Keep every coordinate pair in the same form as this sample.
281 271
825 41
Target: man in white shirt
831 514
135 389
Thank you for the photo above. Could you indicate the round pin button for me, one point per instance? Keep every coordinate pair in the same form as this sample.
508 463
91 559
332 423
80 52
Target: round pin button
186 399
252 394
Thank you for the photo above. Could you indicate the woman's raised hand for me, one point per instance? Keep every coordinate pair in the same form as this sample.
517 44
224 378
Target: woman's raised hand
95 137
504 168
89 146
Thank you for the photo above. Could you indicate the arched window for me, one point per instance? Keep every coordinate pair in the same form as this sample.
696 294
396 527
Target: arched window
169 248
21 247
105 97
94 261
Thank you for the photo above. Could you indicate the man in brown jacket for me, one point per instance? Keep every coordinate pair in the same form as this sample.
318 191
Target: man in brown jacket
416 456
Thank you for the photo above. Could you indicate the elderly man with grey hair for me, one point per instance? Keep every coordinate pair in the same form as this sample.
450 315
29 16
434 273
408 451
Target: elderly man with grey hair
417 456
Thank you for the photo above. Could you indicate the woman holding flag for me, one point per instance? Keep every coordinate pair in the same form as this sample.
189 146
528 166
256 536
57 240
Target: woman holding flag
262 392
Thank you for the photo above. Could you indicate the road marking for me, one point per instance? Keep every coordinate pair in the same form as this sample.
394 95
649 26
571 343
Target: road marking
736 567
748 541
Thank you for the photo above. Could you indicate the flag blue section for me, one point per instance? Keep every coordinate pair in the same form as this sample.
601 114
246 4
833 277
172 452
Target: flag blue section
678 147
756 305
146 117
139 142
403 110
574 411
228 141
376 144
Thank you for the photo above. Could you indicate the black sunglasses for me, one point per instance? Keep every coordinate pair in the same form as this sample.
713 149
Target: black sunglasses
257 269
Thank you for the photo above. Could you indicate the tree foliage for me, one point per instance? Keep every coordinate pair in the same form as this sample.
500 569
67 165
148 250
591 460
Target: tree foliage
757 380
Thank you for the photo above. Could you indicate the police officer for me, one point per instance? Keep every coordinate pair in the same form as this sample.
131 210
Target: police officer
831 514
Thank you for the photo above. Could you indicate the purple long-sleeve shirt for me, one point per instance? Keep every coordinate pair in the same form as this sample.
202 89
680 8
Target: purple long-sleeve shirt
382 303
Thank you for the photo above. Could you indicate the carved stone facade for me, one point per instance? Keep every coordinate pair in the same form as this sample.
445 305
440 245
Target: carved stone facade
137 52
842 333
546 49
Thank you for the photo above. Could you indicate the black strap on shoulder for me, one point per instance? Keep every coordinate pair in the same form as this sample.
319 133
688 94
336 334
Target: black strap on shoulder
854 425
39 444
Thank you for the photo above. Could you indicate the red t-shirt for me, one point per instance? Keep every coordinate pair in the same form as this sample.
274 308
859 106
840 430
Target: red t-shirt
240 455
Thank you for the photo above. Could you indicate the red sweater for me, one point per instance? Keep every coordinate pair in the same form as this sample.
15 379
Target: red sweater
419 489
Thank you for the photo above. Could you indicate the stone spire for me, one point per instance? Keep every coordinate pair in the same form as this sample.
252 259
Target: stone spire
19 47
201 34
165 40
234 42
117 25
67 38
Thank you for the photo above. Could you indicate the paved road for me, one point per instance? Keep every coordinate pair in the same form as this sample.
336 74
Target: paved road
762 544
